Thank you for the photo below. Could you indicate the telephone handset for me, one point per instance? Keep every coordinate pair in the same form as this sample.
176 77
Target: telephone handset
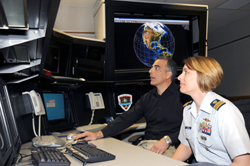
37 102
96 100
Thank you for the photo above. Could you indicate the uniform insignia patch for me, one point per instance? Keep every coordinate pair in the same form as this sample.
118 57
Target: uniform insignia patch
187 103
205 127
188 127
203 138
216 104
207 120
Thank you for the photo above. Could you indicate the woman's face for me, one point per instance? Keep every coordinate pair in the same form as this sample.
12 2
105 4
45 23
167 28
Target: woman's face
188 81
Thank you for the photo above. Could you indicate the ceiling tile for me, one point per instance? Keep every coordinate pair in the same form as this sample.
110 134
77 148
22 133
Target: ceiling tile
234 4
232 15
213 25
210 3
246 7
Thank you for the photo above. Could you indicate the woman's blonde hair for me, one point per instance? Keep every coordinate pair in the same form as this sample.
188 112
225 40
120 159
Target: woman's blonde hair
209 72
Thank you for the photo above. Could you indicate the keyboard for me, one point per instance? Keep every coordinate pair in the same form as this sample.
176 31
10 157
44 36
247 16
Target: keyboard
91 128
48 140
47 156
89 153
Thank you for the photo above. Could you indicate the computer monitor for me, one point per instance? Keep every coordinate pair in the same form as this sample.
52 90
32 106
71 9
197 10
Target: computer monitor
52 61
10 142
176 41
88 58
57 57
74 56
138 32
54 105
59 114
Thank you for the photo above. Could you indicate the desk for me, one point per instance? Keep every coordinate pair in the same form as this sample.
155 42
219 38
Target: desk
136 126
126 155
135 129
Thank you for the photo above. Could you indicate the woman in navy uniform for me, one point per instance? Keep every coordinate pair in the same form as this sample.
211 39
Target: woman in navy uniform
213 129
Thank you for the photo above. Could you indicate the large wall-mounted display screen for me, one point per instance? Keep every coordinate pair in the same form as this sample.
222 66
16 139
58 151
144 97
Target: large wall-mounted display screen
136 33
148 38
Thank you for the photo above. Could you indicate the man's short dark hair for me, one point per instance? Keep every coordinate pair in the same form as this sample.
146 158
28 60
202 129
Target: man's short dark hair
171 66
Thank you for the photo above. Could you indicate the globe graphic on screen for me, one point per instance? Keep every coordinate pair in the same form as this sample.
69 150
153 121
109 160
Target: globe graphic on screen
153 39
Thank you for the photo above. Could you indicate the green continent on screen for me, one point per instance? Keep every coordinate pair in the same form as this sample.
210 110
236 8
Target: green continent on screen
151 40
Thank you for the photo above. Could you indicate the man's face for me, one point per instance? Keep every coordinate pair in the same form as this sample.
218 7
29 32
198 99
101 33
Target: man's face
158 74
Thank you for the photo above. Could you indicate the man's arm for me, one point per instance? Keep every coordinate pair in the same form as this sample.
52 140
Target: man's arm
124 120
160 146
242 160
121 122
182 153
89 136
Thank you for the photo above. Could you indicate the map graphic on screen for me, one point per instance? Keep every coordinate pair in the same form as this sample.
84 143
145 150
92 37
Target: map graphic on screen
153 39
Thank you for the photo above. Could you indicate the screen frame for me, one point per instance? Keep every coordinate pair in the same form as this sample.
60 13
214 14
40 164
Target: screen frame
59 124
49 66
10 132
154 10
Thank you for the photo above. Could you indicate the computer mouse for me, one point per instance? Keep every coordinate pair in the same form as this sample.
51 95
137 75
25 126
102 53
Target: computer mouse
80 142
71 136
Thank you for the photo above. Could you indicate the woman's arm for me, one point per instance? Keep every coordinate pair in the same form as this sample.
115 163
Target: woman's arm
182 153
242 160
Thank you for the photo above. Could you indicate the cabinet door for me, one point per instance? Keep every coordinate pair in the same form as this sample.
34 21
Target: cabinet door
5 143
6 105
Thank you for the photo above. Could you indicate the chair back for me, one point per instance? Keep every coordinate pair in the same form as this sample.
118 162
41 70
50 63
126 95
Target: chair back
244 107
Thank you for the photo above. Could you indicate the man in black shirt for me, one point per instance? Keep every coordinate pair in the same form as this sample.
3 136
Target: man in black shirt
161 108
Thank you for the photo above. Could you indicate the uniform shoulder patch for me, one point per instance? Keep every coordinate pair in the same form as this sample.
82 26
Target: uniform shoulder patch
216 104
188 103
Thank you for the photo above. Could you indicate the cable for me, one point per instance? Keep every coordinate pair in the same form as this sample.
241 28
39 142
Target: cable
1 141
22 162
39 129
92 117
20 159
39 125
33 125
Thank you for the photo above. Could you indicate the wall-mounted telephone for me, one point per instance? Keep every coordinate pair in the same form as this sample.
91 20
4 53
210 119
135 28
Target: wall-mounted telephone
96 100
36 101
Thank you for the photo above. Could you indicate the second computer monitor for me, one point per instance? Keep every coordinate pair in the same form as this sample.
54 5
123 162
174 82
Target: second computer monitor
59 112
54 104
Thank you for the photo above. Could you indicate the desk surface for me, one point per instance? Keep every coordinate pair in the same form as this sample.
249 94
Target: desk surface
126 155
134 127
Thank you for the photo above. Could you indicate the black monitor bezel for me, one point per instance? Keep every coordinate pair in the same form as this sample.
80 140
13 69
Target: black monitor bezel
9 123
49 66
153 10
58 124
